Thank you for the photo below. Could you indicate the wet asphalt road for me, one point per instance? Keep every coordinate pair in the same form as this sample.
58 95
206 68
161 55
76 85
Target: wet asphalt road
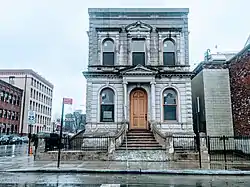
13 150
16 152
63 180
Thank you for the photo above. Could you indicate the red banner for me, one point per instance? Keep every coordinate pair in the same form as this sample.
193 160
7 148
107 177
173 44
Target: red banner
67 101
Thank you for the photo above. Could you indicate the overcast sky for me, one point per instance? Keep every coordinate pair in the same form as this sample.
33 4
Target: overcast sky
50 37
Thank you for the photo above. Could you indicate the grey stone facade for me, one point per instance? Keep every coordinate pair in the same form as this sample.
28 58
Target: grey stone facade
211 84
154 25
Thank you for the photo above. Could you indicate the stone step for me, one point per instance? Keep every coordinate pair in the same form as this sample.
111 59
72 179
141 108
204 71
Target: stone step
140 145
140 141
141 148
139 155
140 136
140 133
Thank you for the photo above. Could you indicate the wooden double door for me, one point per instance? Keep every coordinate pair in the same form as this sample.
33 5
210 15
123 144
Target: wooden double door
138 109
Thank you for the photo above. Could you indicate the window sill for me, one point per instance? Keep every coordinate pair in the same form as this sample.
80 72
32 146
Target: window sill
170 121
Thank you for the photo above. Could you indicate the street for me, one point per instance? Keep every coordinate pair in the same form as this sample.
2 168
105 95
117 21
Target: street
16 156
13 150
50 179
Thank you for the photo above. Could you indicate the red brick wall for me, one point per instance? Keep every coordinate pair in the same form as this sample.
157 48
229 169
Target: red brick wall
239 69
7 88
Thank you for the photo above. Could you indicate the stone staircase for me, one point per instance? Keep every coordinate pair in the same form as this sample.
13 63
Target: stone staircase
141 146
140 140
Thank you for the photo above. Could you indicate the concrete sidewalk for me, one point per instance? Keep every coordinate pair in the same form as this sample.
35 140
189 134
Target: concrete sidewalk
27 164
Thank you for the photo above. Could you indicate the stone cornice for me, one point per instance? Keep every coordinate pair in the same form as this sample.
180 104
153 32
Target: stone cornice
109 29
174 74
168 29
210 65
117 75
112 75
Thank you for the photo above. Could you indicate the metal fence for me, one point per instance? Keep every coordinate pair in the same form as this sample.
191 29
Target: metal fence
220 148
229 148
78 143
185 143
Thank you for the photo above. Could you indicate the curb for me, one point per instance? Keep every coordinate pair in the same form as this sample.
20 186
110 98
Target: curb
108 171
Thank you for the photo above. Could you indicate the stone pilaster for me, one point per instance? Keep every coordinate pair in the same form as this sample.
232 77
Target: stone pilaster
153 101
160 51
148 62
125 93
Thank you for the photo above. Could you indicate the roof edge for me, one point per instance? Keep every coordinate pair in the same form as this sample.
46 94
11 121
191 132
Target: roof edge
127 10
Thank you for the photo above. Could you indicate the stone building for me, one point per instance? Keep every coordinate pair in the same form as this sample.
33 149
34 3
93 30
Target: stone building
222 84
239 71
10 108
211 97
37 96
138 69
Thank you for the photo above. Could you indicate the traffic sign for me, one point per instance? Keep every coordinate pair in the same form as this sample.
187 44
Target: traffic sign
31 117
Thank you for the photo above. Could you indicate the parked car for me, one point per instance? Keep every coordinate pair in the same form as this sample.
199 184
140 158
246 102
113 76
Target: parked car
5 139
24 139
15 140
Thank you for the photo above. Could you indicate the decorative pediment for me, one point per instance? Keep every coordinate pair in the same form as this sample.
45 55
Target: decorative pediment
139 27
138 70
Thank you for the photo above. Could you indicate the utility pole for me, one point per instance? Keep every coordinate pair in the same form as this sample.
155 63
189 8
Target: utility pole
66 101
24 98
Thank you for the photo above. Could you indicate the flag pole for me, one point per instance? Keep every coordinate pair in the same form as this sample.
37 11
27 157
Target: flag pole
60 139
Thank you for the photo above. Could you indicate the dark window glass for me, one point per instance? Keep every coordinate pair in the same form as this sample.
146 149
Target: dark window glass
168 52
108 58
2 95
107 105
138 58
108 53
169 112
170 104
17 116
18 101
138 52
107 113
169 58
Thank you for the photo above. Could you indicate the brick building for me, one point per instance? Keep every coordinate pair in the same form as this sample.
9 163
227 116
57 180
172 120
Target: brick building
37 97
239 71
10 108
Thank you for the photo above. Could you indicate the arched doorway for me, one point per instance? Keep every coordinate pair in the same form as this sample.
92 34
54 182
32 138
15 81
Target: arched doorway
138 109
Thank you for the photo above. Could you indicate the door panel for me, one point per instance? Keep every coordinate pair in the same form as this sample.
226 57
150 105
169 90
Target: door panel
138 109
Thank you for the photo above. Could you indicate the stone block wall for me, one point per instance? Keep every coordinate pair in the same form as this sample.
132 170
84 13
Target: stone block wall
217 102
120 18
94 87
239 68
184 121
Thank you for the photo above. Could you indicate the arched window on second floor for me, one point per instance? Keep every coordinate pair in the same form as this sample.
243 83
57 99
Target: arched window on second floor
168 52
107 105
108 54
170 104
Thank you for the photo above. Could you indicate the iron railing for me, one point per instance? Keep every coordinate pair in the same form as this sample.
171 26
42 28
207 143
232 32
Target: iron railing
229 148
80 143
185 143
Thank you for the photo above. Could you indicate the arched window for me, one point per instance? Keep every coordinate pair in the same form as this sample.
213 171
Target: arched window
108 54
168 52
107 98
170 104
